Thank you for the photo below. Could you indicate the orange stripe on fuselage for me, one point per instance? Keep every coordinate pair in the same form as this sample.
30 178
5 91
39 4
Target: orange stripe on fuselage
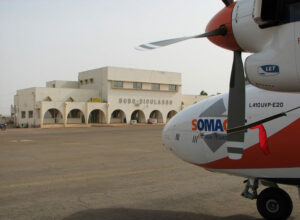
284 152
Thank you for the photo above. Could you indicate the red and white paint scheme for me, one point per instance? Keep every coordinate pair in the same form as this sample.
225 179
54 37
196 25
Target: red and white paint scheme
198 135
249 132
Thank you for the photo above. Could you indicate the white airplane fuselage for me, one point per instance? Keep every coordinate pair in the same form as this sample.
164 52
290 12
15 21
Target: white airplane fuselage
198 135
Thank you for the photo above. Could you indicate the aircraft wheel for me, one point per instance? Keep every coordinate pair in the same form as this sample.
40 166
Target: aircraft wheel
274 204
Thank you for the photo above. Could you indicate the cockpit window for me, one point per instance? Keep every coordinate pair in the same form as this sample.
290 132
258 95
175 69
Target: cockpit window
277 12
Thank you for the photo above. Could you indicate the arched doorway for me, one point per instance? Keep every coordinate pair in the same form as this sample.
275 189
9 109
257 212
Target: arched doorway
53 116
171 114
97 117
118 116
156 117
75 116
138 116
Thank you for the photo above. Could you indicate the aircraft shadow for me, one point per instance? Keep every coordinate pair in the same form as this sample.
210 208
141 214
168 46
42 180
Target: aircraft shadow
140 214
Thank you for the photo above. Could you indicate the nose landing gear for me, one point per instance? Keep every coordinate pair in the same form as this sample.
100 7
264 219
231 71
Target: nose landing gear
272 203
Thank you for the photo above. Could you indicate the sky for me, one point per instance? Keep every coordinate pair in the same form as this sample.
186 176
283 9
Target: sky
45 40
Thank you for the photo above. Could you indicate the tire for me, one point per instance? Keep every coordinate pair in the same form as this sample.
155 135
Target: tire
274 204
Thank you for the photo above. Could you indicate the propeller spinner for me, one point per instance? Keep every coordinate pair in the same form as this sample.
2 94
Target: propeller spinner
219 31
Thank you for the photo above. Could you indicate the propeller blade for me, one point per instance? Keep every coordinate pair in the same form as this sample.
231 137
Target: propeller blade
222 30
219 31
227 2
157 44
236 108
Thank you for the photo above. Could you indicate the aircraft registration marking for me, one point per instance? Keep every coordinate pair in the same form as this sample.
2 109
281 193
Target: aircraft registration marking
266 105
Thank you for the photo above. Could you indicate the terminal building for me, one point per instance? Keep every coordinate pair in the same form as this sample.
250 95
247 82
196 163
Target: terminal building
103 96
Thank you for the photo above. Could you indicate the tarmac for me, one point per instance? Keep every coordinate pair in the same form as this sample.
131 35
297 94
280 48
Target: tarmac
112 173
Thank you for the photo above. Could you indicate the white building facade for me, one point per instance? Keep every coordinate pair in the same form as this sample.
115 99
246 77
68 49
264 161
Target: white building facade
103 96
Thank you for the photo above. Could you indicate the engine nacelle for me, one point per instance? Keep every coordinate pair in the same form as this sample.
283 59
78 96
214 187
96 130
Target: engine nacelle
271 30
276 67
272 33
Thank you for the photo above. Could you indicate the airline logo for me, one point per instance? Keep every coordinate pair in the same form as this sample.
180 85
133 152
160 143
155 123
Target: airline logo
268 70
213 122
209 125
213 119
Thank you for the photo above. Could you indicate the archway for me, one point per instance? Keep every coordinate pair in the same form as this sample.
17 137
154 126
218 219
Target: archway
118 116
156 117
138 116
53 116
75 116
97 117
171 114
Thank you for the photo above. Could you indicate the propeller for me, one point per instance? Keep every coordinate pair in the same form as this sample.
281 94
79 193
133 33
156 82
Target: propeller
236 102
150 46
236 108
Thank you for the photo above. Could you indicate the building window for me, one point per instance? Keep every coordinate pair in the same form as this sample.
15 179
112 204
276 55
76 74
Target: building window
137 85
118 84
91 80
155 86
53 85
86 81
172 87
30 114
81 82
23 114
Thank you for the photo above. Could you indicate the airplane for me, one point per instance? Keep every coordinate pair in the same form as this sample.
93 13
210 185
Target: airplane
248 132
271 150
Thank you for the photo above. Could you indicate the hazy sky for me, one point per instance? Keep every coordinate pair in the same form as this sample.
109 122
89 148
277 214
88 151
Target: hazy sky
54 40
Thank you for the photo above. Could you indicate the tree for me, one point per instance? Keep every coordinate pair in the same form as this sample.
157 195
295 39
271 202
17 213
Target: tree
203 93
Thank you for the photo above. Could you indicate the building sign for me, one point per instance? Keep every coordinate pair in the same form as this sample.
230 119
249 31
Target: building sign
145 101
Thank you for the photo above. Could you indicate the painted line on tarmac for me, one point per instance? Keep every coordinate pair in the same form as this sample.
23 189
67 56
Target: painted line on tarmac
26 140
77 178
138 150
14 141
21 141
